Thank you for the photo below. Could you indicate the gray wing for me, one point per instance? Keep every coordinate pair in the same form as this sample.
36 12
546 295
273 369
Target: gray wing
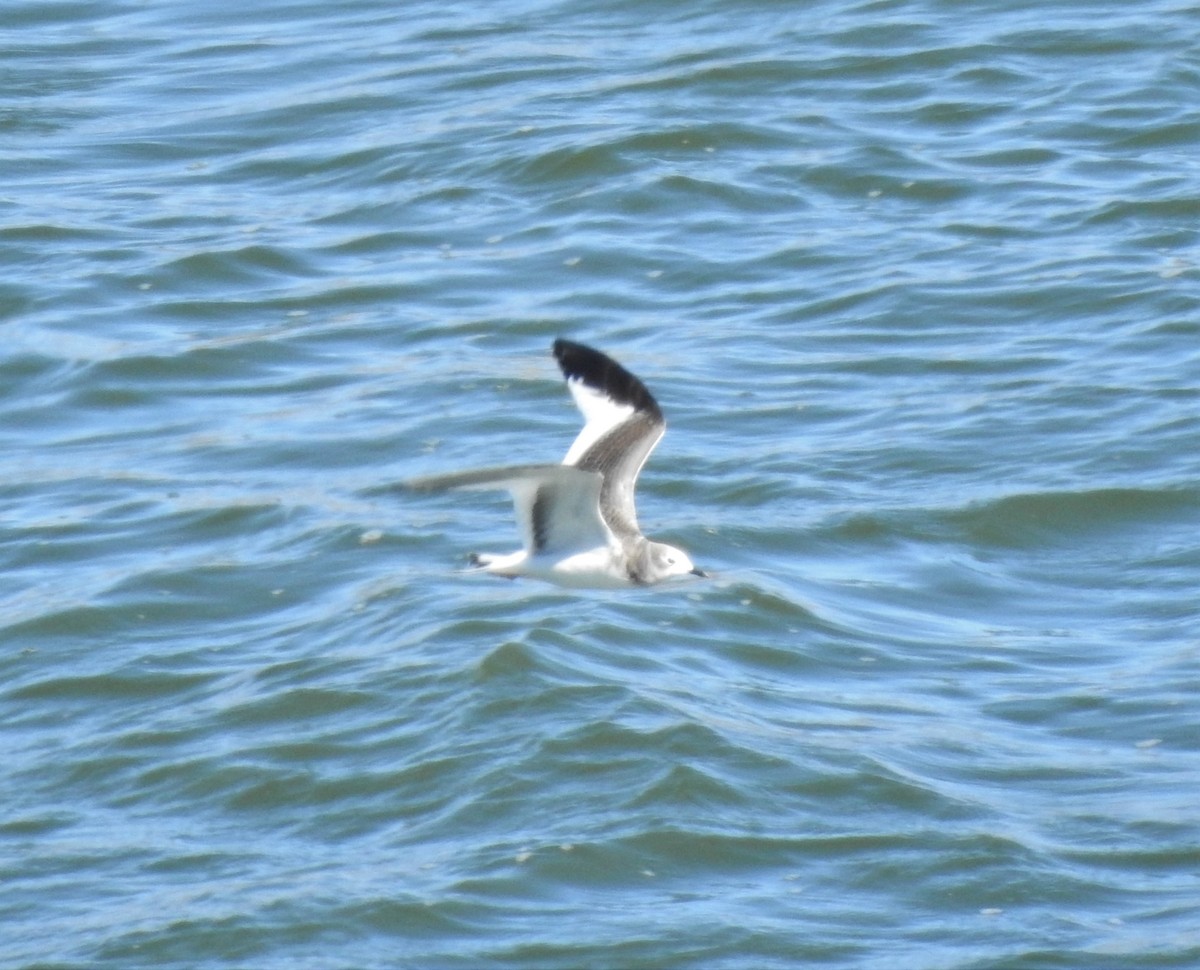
622 425
619 456
557 506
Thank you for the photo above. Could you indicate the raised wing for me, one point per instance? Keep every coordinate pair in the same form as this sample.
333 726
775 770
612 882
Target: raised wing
622 424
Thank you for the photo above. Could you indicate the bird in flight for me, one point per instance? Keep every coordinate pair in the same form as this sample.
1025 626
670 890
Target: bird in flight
578 519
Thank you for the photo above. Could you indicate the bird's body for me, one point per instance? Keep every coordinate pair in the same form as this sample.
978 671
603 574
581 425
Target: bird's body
578 519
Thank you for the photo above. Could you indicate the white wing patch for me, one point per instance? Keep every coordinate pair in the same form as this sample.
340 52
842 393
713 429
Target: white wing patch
600 414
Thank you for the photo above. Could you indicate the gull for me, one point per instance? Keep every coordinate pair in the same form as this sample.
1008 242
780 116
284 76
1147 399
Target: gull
578 519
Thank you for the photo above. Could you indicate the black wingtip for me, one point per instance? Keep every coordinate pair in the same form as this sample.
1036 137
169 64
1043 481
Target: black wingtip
600 371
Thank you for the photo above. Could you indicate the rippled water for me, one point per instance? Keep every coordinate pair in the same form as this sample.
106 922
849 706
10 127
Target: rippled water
918 289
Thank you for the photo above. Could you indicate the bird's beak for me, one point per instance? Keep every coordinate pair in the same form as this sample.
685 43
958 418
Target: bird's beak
697 571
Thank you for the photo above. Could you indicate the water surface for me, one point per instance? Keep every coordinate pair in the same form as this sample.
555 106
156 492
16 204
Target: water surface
918 291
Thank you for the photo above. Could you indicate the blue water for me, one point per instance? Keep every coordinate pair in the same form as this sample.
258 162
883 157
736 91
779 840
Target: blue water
917 285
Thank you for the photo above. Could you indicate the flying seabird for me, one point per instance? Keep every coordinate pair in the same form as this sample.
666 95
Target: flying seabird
578 519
